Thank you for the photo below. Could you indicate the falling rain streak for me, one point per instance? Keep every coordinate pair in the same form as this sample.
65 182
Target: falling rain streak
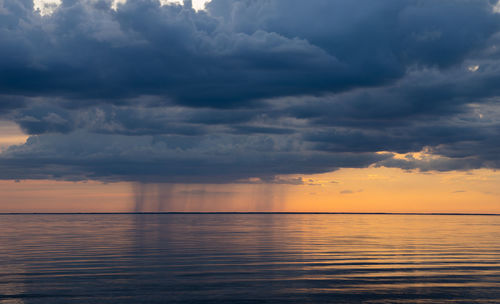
152 197
165 197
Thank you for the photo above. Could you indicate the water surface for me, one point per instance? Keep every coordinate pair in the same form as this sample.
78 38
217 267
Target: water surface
249 258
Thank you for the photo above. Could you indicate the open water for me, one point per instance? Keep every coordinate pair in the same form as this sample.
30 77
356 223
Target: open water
249 258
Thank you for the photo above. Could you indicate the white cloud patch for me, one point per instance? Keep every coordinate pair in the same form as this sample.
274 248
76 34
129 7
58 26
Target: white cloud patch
473 68
46 7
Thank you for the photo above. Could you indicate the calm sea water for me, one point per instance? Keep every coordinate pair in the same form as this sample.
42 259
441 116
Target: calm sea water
228 258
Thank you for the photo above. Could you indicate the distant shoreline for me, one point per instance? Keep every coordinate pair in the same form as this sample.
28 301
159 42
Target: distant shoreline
248 213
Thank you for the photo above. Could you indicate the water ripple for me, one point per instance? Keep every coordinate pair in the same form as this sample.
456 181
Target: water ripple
249 258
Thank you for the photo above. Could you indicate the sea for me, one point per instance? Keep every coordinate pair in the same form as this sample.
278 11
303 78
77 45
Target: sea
249 258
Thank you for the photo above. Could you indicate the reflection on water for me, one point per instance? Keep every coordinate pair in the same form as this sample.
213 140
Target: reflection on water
245 258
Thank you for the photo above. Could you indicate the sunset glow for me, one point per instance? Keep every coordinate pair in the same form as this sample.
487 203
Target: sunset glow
249 151
248 106
346 190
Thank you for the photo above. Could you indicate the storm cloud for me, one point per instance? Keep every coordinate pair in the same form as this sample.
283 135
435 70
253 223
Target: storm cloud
151 92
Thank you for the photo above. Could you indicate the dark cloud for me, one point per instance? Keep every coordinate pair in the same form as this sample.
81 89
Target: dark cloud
234 54
217 159
9 103
87 50
248 90
246 129
384 35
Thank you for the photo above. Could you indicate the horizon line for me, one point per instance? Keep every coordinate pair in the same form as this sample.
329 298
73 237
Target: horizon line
249 212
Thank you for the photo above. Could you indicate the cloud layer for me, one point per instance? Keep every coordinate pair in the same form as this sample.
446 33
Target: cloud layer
248 89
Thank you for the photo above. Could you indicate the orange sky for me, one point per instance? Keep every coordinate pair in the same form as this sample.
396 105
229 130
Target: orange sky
347 190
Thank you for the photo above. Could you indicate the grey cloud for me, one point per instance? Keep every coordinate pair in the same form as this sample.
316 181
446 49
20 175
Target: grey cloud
9 103
248 129
440 163
265 49
216 159
383 34
248 89
87 50
350 191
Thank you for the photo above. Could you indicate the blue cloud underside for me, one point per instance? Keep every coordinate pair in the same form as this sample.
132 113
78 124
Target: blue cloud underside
243 89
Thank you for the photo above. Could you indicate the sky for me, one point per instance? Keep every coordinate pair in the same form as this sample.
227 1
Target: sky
239 105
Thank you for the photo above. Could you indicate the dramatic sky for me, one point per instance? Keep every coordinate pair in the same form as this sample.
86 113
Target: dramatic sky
317 105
